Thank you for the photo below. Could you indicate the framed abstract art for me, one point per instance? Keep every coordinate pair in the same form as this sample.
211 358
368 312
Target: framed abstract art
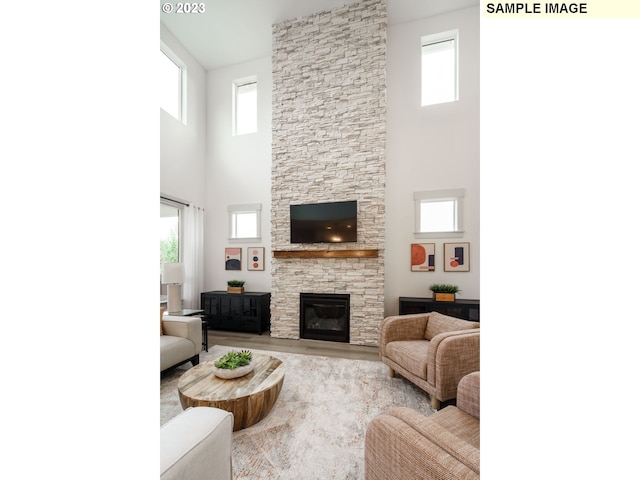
232 258
255 258
423 257
456 257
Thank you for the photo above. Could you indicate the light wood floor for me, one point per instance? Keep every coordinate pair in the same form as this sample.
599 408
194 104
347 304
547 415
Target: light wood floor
303 346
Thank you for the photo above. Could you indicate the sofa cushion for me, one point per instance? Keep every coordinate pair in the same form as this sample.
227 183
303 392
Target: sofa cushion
174 350
162 310
411 354
439 323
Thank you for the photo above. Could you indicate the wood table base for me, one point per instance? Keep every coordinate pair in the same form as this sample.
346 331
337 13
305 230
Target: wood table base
249 398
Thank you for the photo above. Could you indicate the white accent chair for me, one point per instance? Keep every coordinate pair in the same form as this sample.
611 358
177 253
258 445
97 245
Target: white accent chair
180 340
196 445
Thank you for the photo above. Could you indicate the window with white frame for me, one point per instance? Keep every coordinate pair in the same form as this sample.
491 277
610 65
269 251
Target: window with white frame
173 73
440 68
245 106
244 222
439 213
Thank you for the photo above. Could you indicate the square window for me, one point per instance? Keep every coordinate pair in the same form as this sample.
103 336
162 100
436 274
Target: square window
244 222
438 213
245 225
438 216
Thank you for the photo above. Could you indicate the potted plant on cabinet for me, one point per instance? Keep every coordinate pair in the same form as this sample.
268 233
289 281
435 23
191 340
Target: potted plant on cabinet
444 293
235 286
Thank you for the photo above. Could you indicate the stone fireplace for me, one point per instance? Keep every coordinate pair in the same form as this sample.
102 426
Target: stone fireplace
324 316
329 140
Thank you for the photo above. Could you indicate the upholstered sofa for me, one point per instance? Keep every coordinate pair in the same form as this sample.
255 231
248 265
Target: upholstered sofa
432 350
196 445
403 443
180 340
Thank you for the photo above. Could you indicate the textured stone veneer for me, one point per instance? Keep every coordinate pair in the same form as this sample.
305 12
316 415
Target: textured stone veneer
329 108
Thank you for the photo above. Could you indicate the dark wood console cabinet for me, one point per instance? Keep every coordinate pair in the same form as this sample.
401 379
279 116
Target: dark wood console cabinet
238 312
465 309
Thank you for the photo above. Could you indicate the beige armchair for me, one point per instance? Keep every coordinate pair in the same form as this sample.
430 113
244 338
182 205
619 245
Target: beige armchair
431 350
403 443
180 340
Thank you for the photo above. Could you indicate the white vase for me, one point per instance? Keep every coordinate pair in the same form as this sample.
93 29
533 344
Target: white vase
227 373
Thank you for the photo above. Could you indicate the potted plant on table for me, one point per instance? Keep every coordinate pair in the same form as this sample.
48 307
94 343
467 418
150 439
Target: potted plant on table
234 364
235 286
444 293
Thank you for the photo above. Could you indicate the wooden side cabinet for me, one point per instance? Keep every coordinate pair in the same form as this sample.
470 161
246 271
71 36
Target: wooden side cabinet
238 312
465 309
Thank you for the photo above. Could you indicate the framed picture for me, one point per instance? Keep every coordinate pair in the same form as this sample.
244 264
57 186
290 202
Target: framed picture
255 258
456 257
233 258
423 257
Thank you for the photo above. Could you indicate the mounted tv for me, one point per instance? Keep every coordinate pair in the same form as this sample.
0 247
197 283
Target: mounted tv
334 222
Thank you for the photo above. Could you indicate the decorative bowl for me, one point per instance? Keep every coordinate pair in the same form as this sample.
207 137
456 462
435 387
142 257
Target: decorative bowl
227 373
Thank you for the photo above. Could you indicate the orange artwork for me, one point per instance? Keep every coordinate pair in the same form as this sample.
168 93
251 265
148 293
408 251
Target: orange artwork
423 257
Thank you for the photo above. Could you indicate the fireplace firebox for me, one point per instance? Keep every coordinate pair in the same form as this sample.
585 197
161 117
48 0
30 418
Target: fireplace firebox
324 316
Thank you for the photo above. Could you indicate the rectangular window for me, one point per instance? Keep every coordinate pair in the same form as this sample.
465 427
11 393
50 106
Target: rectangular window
439 213
172 84
244 222
169 233
245 106
440 68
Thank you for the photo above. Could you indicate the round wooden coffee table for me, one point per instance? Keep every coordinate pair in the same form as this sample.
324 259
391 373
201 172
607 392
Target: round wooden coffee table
249 398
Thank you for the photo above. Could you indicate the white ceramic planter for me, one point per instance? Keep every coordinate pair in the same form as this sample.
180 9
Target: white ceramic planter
235 373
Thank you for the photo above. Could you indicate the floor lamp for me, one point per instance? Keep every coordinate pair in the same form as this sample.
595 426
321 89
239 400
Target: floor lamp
173 277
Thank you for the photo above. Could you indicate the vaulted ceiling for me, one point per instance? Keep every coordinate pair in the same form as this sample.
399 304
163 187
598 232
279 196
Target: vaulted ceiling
235 31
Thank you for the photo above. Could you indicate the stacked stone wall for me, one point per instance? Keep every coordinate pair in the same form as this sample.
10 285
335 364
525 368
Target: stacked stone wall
329 129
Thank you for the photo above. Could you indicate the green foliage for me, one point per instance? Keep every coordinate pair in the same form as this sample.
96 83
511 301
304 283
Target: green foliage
234 360
443 288
169 249
235 283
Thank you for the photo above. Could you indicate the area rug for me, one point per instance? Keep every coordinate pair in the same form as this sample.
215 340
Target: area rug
317 426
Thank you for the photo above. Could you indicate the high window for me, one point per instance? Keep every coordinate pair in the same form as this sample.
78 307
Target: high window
439 213
244 222
440 68
172 84
245 106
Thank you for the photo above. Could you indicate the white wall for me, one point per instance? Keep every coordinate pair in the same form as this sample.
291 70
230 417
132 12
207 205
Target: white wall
238 171
182 147
430 148
433 147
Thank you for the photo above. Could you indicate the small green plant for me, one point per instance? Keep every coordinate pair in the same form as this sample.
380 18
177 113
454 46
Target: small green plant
443 288
234 360
235 283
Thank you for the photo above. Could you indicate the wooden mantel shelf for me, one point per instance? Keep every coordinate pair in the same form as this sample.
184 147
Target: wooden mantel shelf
369 253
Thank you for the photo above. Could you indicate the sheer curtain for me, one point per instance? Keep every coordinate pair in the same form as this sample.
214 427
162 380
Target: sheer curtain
193 256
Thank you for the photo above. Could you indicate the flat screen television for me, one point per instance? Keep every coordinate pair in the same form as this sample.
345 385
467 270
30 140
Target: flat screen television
334 222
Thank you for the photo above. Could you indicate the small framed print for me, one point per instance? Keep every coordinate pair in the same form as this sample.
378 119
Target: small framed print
255 258
423 257
233 258
456 257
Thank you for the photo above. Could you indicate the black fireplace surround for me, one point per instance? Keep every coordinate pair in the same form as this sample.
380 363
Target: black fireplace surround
324 316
